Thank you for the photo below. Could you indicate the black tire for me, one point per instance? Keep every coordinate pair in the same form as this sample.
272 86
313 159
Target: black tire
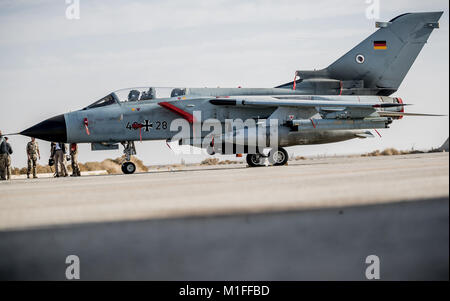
278 156
251 160
128 168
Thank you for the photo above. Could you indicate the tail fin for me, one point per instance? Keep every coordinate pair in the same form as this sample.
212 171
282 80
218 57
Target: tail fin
378 65
384 58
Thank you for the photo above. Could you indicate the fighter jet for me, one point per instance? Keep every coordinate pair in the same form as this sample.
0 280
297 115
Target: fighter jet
346 100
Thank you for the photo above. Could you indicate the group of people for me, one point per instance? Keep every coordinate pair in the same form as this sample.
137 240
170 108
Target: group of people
58 151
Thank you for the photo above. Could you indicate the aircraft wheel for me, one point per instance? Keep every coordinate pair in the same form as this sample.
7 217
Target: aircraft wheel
128 168
278 157
254 160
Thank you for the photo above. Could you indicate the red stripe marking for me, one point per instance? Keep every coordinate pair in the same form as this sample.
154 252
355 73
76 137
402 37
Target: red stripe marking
313 123
402 107
400 101
189 117
377 132
136 125
86 126
340 92
139 126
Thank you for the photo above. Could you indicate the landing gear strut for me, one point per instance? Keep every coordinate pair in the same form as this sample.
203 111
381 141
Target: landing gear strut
128 167
277 157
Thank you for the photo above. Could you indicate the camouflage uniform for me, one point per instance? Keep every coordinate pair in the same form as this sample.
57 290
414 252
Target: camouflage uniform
2 163
74 160
5 160
8 167
32 152
3 166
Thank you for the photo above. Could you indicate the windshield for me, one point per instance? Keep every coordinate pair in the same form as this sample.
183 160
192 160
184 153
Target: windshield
105 101
148 93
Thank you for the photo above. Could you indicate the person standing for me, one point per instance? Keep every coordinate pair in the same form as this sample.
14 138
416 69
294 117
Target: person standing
8 158
51 160
32 154
60 152
74 160
2 160
5 159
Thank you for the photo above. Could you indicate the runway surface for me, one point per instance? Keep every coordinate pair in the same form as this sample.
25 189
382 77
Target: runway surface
312 220
410 239
318 183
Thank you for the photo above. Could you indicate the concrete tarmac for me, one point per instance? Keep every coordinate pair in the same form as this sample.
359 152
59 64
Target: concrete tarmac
312 220
318 183
411 240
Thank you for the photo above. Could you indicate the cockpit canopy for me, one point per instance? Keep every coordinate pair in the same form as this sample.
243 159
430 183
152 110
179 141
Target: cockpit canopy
138 94
105 101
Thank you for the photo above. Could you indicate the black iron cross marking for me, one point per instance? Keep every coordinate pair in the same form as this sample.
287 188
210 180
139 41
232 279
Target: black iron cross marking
147 125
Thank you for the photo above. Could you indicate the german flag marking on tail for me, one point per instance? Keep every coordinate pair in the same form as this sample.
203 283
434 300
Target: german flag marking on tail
379 45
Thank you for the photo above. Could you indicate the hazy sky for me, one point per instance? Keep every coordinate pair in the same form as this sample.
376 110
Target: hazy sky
50 65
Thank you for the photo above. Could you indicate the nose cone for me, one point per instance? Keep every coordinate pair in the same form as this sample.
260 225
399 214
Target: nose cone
52 129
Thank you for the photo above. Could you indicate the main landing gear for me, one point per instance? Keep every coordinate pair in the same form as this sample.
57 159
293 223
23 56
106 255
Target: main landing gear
277 157
128 167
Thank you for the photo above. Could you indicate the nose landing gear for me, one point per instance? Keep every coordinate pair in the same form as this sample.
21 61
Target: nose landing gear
128 168
129 149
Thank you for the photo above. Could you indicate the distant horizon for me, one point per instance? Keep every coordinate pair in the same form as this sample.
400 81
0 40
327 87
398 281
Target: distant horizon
292 156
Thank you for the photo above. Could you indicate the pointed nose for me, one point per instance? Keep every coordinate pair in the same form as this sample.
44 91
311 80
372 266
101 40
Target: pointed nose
52 129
